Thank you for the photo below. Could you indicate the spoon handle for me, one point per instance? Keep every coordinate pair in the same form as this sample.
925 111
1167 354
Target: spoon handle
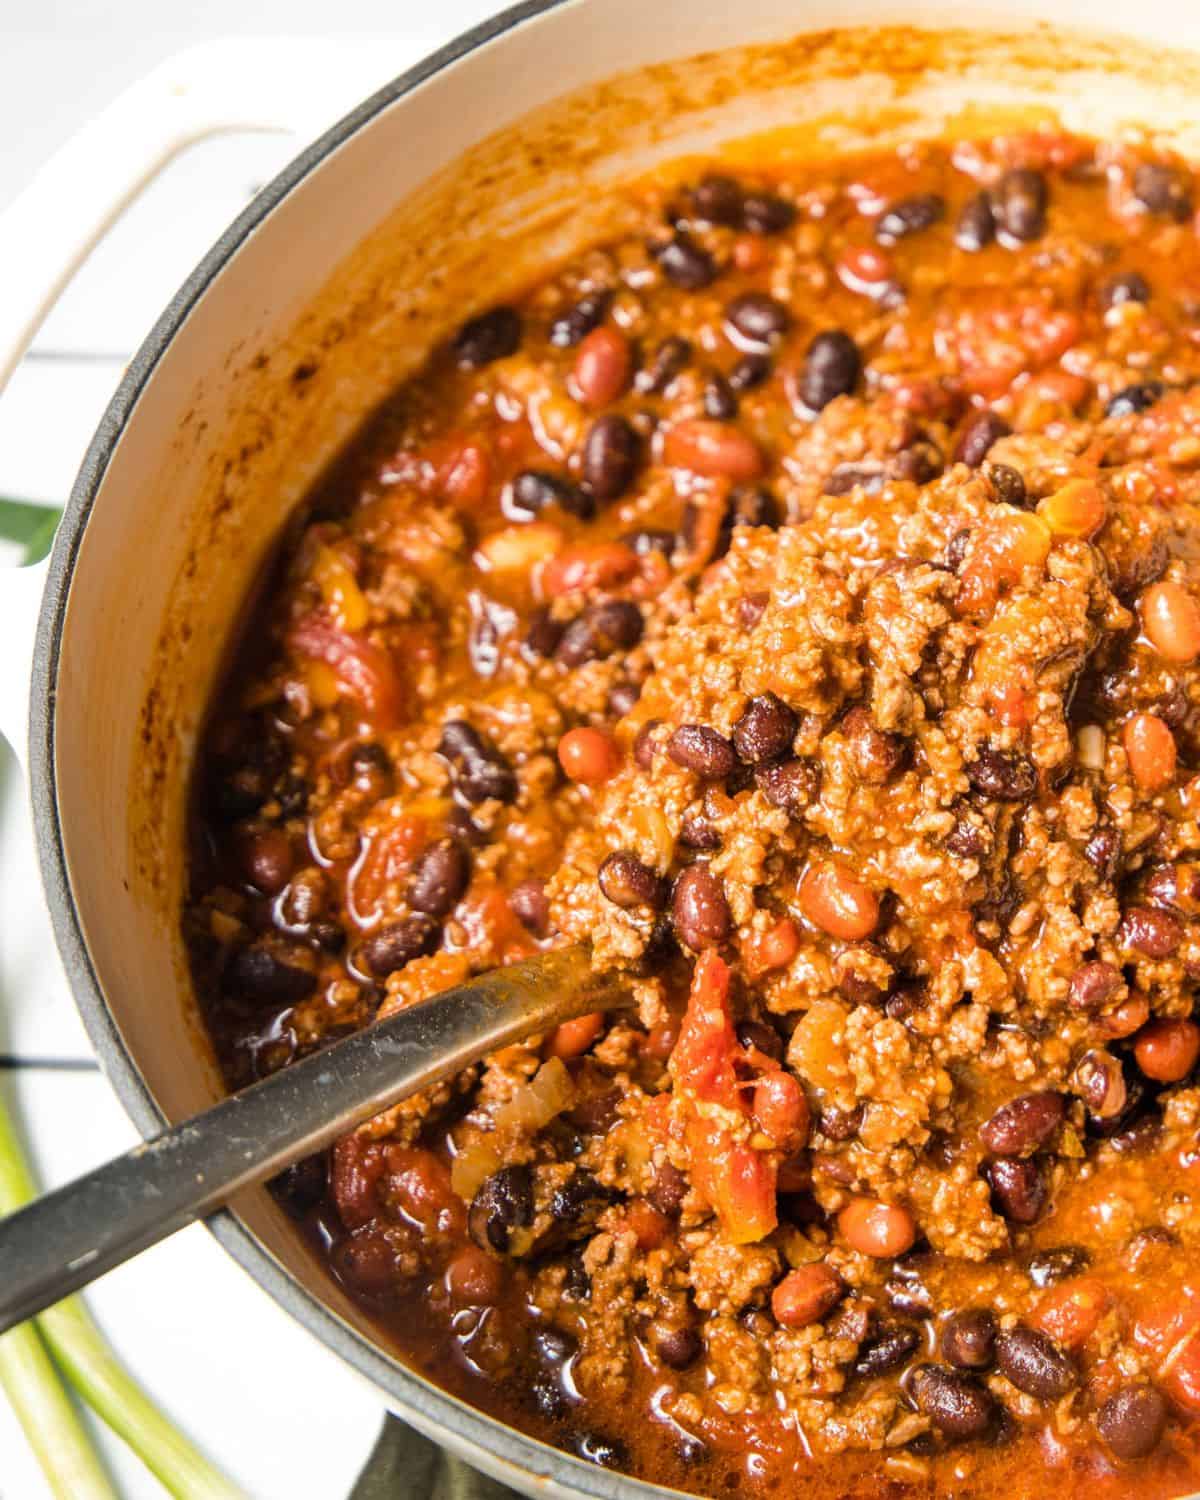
61 1242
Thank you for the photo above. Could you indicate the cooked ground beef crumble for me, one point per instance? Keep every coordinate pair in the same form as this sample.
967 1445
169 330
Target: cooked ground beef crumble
797 601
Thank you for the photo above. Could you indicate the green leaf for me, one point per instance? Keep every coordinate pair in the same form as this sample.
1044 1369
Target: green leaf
29 526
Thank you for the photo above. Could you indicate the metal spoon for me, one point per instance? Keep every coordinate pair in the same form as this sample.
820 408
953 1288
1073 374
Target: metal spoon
63 1241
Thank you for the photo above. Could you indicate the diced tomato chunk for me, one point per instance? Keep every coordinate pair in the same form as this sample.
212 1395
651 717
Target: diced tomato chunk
703 1057
365 671
739 1182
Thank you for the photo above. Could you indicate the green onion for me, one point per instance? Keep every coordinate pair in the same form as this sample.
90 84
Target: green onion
89 1364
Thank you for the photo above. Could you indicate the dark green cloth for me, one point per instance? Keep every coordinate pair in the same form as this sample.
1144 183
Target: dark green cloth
406 1466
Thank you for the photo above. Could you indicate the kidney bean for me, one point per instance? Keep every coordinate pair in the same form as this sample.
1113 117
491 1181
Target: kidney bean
1134 399
439 878
685 263
698 748
474 1279
588 756
491 336
909 216
482 773
717 199
955 1404
1034 1365
885 1351
533 490
1163 189
1130 1016
832 367
1003 776
1128 286
1095 986
259 975
266 856
1019 204
669 358
530 906
1133 1421
1167 1048
875 753
766 213
1018 1189
612 625
602 366
909 1298
838 902
1047 1267
720 404
679 1347
1100 1083
793 785
1156 934
1171 620
981 431
969 1338
699 910
806 1295
764 730
976 225
1007 484
756 321
712 449
872 1227
748 373
569 1041
503 1203
1023 1124
627 882
573 325
1071 1312
398 943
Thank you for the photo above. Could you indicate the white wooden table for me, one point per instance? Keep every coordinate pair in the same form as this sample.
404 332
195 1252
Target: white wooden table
282 1416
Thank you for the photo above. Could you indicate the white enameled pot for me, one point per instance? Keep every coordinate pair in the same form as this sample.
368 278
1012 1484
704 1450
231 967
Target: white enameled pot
442 193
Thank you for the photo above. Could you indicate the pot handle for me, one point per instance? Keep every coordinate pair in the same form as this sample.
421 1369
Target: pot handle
296 85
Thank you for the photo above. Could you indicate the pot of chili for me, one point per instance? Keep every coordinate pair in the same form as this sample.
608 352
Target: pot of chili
789 1231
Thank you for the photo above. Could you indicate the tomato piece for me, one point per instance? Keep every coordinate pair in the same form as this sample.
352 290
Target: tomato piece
364 670
738 1181
1170 1331
703 1057
995 341
389 852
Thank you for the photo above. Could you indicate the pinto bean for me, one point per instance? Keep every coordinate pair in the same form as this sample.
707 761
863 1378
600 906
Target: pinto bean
602 366
875 1228
1171 620
713 449
838 902
1023 1124
807 1294
699 910
1034 1364
588 756
1166 1049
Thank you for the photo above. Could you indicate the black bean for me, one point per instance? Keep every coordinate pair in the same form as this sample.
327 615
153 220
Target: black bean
668 359
750 505
698 833
976 226
649 540
1163 189
581 1191
668 1190
699 910
765 213
717 199
543 634
1048 1267
1133 1421
608 1453
840 1124
1103 852
982 430
905 999
954 1403
1134 398
847 477
398 943
720 404
908 216
493 335
610 456
762 1036
685 263
751 608
644 745
301 1186
1129 286
257 974
1003 776
548 1397
679 1347
832 367
920 462
908 1298
876 754
371 770
969 839
1019 204
533 490
1018 1189
487 777
885 1350
623 697
764 730
1156 934
1008 485
750 371
531 906
555 1346
756 320
503 1203
698 748
1023 1124
793 785
610 626
957 548
292 793
969 1338
571 326
1034 1364
627 882
1094 986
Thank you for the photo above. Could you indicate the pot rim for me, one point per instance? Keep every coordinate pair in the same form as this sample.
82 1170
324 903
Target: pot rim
505 1451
